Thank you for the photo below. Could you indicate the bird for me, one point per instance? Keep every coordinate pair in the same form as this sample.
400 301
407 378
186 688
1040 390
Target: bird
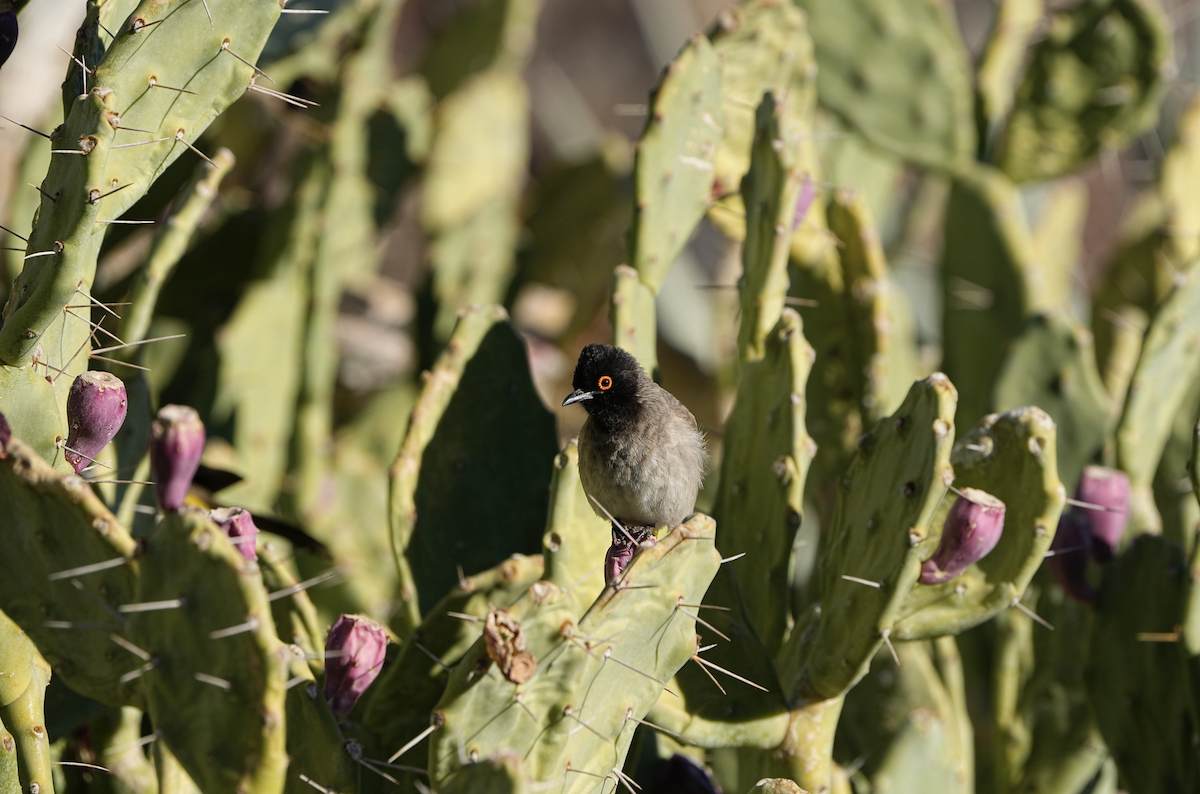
642 457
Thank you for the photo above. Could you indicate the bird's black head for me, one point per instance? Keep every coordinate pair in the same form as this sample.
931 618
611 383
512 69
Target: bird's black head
606 381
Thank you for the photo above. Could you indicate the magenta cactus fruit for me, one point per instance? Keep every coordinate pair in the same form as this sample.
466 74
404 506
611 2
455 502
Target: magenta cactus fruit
1108 489
238 525
5 436
619 555
973 528
1071 550
354 656
96 407
176 443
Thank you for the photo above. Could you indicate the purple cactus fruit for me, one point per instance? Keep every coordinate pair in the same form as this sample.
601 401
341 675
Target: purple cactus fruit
8 29
619 555
973 528
96 409
354 656
1071 549
1107 489
238 525
176 443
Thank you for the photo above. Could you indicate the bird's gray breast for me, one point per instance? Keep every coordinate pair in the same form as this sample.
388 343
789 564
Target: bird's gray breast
648 475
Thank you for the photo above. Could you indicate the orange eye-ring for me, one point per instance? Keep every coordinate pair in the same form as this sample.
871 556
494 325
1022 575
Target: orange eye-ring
605 383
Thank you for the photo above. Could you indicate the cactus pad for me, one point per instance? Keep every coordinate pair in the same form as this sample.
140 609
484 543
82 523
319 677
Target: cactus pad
215 683
1012 457
55 526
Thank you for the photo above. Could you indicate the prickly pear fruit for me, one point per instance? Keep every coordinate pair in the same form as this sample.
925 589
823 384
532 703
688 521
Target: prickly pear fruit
354 656
8 29
619 555
96 409
1072 547
1108 489
238 525
972 529
176 443
506 646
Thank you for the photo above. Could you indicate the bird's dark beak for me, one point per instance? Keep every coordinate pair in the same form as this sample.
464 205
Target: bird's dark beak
577 396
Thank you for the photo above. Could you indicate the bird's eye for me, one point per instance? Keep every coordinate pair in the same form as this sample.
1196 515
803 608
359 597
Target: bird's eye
605 383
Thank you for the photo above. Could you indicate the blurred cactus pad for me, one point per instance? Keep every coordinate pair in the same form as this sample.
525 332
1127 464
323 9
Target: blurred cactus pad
293 291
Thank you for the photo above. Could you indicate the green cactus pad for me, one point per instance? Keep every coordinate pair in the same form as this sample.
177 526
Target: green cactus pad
1136 672
766 457
674 172
479 453
576 539
769 192
315 746
999 71
24 717
215 683
913 95
34 315
879 383
1169 362
262 346
886 501
904 722
174 42
292 611
633 318
500 774
466 170
764 46
1012 457
987 266
56 524
10 779
398 703
28 403
603 673
741 715
1093 83
1052 365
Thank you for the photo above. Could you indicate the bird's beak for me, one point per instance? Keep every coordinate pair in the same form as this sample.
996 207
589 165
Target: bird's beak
577 396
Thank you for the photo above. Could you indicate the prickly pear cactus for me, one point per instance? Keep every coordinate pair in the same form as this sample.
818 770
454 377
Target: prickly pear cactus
913 96
77 569
478 438
203 649
1012 457
674 171
870 560
1051 364
1136 670
1094 82
574 718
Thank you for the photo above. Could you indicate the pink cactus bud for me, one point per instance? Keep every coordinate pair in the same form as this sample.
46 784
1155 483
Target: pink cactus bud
1071 549
5 436
238 525
96 409
176 443
972 529
619 555
1108 489
354 656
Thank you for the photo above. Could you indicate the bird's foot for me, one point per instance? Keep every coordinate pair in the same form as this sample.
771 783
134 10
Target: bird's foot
638 535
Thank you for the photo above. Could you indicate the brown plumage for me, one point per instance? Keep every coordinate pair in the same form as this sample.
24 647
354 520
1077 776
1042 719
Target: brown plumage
640 453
